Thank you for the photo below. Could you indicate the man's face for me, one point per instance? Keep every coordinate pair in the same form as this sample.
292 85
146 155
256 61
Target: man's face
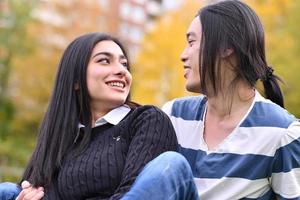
190 56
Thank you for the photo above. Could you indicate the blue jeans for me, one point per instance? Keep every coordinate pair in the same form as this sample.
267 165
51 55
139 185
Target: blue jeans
9 191
167 177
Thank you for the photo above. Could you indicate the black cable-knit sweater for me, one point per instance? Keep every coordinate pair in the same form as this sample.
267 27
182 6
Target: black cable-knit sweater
114 157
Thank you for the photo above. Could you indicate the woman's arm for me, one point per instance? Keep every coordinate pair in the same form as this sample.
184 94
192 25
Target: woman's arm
152 134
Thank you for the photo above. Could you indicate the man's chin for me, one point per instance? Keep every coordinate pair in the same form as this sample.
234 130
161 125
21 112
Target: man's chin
192 88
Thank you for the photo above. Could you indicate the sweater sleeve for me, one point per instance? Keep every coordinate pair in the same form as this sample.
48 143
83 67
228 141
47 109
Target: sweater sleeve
51 192
151 134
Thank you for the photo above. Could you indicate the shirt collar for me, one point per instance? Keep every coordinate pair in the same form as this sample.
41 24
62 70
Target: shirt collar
113 117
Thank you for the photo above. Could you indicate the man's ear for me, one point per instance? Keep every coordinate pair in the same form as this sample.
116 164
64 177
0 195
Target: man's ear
227 52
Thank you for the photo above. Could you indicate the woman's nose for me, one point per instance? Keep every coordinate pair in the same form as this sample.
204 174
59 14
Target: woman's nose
120 69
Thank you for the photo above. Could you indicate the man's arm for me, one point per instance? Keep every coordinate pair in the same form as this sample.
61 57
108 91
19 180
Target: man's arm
285 178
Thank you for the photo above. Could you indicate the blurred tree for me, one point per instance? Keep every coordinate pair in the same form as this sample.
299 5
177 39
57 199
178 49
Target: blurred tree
14 16
283 44
56 24
31 80
158 74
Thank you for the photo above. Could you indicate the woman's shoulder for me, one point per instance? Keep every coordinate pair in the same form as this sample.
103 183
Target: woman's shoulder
147 110
147 114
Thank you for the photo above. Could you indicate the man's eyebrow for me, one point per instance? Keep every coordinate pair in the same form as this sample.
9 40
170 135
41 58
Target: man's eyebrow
122 57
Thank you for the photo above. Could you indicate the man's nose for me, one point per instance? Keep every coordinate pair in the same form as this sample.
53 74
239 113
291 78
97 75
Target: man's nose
184 56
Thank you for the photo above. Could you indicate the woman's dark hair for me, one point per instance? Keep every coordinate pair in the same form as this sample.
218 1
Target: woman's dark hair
66 109
234 25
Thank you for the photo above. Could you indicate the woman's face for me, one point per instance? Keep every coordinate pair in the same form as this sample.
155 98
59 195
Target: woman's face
108 78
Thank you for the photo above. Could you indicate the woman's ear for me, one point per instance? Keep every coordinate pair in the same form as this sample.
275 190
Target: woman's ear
227 52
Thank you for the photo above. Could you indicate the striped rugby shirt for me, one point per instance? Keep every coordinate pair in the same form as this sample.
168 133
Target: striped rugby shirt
260 159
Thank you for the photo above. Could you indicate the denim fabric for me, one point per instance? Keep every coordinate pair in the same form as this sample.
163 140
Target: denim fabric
167 177
9 191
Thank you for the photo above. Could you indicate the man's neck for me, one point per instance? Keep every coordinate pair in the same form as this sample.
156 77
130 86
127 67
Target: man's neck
225 112
227 104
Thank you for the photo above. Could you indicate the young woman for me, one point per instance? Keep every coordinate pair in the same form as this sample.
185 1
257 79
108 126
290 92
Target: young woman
93 142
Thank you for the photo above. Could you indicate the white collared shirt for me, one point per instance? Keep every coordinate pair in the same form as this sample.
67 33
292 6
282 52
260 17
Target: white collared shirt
113 117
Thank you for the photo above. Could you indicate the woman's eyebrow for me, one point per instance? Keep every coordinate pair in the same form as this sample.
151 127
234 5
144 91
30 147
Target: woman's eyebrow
109 55
103 53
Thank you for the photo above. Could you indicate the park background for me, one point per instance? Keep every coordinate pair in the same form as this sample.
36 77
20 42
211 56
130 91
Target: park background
33 34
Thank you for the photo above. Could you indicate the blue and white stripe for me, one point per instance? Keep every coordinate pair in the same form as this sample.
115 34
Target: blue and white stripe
259 158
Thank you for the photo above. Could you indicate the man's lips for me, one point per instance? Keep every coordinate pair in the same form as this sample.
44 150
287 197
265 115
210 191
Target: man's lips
186 71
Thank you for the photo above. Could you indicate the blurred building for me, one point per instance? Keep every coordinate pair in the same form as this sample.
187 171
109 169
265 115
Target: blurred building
126 19
130 19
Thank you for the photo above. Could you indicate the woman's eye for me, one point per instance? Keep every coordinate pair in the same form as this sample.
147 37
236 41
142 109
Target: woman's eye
103 61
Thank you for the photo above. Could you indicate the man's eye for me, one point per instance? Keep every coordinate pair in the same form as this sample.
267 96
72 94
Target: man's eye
125 64
191 42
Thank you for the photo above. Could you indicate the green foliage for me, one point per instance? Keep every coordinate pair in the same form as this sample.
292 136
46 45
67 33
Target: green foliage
6 115
35 45
14 19
13 43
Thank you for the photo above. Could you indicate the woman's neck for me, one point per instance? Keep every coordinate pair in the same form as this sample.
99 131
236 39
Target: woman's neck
98 111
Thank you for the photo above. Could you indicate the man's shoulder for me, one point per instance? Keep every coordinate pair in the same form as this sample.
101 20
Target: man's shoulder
265 113
189 108
187 101
190 99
